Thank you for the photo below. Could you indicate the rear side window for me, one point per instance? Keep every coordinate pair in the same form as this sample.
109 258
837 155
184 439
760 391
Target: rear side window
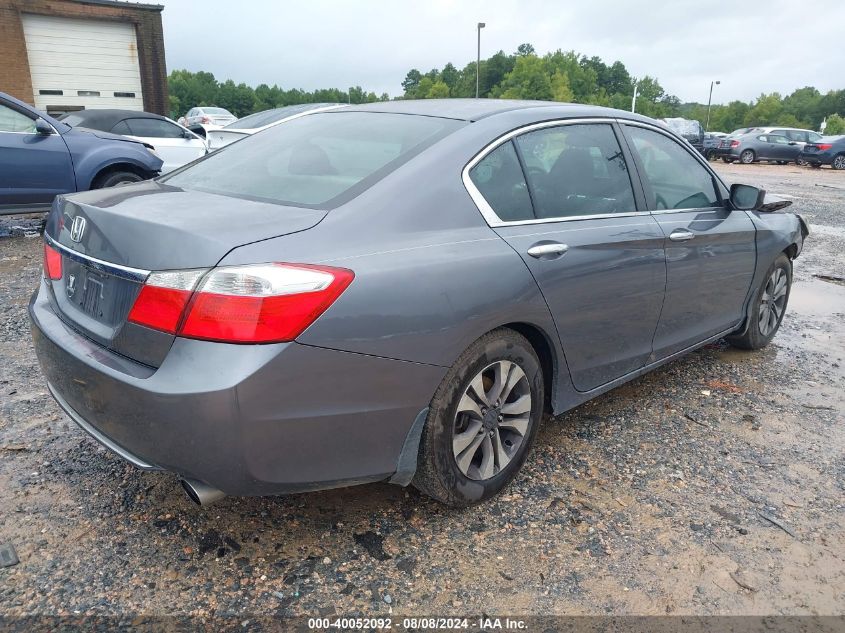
675 179
317 161
498 176
576 170
153 128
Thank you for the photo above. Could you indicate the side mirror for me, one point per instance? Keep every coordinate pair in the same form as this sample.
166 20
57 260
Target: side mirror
43 128
746 197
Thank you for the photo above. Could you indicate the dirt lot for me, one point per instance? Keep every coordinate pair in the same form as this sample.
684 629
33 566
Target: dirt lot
713 485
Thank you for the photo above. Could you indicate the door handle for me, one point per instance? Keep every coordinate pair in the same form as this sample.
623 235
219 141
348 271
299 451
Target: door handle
549 250
681 235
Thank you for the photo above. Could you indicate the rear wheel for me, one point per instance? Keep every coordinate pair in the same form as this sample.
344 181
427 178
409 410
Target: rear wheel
116 178
839 162
747 157
801 162
725 159
770 301
481 421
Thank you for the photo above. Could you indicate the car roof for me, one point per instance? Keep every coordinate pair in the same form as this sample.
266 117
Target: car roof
476 109
107 118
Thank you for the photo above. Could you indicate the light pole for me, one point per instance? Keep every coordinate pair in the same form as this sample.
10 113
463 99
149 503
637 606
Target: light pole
634 98
481 25
709 100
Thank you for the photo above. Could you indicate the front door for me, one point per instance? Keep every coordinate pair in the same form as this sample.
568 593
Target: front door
710 251
596 257
34 167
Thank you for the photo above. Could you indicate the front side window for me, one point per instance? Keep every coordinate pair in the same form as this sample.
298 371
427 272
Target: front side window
499 178
316 161
675 179
777 139
576 170
14 121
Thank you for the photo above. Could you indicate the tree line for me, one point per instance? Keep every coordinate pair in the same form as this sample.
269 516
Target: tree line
556 76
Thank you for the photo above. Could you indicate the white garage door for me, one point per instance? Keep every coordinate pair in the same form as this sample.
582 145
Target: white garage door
83 63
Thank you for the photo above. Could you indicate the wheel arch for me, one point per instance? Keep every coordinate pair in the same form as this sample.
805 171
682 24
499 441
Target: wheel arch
544 349
119 166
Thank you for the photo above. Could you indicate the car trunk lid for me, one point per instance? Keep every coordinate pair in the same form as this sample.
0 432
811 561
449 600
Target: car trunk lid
111 239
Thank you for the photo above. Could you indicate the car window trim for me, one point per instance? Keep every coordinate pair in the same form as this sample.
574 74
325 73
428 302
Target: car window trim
714 177
490 216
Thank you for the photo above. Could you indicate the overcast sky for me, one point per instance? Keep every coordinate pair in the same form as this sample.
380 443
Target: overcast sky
752 46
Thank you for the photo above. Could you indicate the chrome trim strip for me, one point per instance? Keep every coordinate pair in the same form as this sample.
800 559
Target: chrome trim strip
102 439
486 210
116 270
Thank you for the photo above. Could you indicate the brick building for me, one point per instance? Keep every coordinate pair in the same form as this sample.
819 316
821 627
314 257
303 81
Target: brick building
63 55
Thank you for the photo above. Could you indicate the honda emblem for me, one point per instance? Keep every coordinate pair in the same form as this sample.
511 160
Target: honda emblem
77 228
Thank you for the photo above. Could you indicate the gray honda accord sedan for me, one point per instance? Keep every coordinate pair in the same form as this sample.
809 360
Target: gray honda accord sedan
396 292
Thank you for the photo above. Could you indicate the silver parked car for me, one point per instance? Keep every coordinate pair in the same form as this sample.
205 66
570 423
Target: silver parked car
396 291
263 120
204 118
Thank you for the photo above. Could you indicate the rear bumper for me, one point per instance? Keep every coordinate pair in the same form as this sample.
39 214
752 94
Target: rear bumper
247 419
817 158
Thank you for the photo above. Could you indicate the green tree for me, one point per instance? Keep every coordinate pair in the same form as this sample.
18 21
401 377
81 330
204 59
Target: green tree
525 49
411 82
835 125
766 111
528 80
438 90
560 87
423 88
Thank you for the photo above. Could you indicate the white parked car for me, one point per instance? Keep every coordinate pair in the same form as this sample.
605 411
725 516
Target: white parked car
263 120
175 144
209 118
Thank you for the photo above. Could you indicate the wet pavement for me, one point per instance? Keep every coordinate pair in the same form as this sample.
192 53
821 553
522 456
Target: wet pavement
715 484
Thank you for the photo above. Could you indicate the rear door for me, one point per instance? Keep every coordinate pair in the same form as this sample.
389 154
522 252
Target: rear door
596 256
34 167
710 251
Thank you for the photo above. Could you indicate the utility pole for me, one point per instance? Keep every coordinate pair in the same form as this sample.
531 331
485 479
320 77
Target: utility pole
481 25
709 100
634 98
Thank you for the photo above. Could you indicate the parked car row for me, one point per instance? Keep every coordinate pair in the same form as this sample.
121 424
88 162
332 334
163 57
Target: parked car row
176 144
261 121
42 157
780 145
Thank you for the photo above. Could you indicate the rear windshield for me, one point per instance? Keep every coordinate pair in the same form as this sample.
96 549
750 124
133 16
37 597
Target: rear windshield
72 119
260 119
317 161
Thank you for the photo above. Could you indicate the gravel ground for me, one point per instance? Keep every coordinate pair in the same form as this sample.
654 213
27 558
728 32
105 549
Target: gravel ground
711 486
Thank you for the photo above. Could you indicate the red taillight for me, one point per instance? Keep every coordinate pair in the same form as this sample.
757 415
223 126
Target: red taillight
823 147
240 304
205 119
52 263
734 143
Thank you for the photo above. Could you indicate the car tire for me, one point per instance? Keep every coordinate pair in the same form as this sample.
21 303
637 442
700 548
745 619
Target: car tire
838 162
801 162
770 302
114 178
816 165
461 454
725 159
747 157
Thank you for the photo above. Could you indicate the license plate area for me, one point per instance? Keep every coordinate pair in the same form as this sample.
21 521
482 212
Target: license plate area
88 293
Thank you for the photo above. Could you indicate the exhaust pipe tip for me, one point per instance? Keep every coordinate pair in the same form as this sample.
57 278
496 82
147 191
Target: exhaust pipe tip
201 493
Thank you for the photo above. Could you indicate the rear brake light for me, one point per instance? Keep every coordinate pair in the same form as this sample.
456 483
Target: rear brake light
52 262
163 299
734 143
240 304
823 147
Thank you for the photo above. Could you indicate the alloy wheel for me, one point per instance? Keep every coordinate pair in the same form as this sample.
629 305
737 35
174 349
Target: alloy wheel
747 157
492 420
773 301
839 162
